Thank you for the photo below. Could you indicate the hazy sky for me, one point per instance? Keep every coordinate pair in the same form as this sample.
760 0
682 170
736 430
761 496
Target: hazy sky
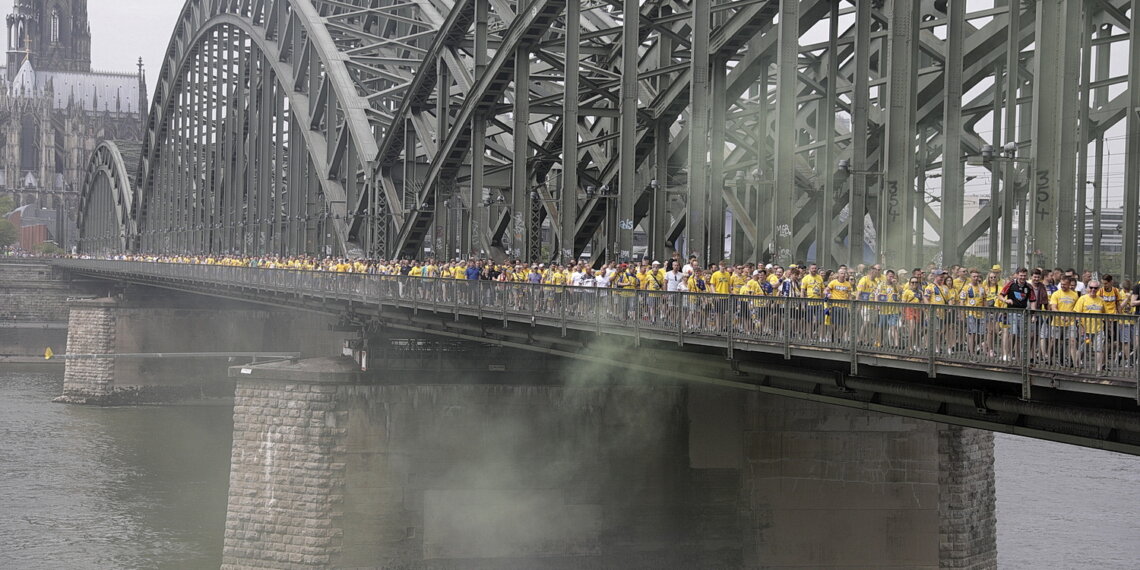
122 31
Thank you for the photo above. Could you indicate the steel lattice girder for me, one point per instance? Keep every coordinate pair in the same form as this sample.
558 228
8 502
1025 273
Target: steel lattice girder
105 202
376 108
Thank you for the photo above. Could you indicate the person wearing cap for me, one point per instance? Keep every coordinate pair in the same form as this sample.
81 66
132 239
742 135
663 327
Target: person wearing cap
627 283
1092 329
752 288
1119 333
973 294
842 290
652 281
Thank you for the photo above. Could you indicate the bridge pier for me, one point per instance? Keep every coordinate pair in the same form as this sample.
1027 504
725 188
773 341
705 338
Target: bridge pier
830 487
433 473
151 326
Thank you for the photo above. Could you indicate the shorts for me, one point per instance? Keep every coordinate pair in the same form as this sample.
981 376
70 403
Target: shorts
975 325
838 316
1096 340
889 320
814 312
1125 333
1016 322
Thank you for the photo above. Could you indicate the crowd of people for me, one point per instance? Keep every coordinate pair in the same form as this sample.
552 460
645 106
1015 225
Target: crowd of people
893 305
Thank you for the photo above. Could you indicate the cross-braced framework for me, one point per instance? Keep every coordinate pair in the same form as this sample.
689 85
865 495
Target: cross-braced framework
546 130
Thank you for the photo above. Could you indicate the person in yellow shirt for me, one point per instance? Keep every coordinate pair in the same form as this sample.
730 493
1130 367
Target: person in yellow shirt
739 279
1062 300
913 294
1093 304
752 288
812 284
973 294
867 283
841 290
721 280
887 291
865 291
937 293
775 275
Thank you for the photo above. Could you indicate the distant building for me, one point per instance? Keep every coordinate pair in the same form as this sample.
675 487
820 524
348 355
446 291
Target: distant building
54 110
35 226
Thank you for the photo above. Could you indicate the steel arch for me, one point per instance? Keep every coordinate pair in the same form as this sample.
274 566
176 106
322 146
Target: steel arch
474 126
265 119
106 201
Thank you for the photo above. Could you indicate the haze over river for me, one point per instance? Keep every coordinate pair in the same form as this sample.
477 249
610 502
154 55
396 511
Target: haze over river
146 488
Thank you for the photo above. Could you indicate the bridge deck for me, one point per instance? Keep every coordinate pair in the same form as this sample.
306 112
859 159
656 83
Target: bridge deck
952 341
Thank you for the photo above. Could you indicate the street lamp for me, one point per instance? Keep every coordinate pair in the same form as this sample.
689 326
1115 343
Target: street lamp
855 251
1007 157
1096 237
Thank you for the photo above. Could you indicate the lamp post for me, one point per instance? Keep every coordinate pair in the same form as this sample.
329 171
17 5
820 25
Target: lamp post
855 250
1007 158
1096 212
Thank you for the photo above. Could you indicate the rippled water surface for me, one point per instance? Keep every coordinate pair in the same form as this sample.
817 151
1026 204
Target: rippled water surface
108 488
146 488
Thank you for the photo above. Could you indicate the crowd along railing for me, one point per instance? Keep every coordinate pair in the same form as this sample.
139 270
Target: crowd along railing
1027 343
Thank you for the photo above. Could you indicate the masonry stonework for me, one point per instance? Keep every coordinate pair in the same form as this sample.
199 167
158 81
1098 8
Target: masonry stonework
91 330
448 476
476 477
968 536
286 487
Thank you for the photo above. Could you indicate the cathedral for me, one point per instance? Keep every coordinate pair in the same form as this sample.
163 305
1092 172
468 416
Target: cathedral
54 109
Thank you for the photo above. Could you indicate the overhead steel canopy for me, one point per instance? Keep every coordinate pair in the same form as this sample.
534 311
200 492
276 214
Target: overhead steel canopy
752 129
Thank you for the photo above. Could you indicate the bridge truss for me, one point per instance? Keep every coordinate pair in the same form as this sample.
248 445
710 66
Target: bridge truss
547 130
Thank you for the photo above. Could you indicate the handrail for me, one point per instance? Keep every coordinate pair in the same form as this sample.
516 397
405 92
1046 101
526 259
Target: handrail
1023 344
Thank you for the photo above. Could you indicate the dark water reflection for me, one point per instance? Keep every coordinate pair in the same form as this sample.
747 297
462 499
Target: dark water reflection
108 488
146 488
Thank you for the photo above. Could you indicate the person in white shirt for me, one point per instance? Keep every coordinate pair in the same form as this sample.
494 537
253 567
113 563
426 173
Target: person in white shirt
690 266
576 276
602 280
587 278
673 279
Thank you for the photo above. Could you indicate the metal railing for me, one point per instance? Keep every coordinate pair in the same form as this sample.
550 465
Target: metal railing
1020 343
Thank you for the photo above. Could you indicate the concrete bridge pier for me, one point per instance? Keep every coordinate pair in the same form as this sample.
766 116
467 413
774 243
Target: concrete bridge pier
328 470
155 324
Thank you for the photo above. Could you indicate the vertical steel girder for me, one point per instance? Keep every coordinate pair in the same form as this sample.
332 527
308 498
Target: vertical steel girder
344 127
1132 165
860 109
952 175
898 195
696 235
787 127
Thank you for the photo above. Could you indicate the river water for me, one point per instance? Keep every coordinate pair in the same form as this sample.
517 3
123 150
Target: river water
146 488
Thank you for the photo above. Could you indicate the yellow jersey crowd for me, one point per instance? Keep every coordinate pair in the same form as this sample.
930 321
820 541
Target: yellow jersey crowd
900 322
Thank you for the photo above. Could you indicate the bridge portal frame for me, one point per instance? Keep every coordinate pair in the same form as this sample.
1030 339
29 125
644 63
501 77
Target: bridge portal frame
413 130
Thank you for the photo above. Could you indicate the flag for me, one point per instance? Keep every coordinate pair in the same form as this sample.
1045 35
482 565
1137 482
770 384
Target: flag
48 354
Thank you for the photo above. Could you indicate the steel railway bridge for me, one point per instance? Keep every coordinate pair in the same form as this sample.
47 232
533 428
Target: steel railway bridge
547 130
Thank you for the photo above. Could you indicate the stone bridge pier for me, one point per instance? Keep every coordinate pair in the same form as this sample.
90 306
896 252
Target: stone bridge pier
149 325
426 471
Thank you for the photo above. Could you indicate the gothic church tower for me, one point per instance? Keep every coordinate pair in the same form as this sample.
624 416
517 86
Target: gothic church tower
53 34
